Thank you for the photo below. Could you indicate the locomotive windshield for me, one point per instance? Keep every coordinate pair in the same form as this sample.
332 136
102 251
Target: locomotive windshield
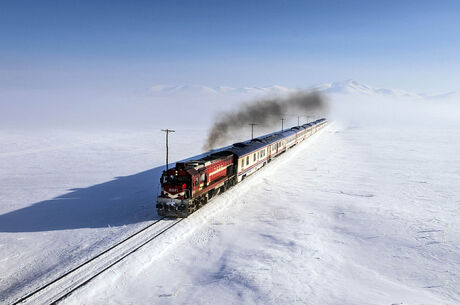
173 179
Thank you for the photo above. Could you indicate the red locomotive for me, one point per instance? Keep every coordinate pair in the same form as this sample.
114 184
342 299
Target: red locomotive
191 184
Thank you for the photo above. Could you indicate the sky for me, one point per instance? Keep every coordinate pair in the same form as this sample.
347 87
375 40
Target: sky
87 53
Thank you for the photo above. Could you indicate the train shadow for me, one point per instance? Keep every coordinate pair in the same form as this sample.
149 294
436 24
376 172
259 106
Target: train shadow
121 201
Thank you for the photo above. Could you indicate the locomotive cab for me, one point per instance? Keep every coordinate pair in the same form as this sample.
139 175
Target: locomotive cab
176 184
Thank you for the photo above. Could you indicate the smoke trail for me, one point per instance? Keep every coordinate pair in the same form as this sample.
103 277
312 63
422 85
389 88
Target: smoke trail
266 112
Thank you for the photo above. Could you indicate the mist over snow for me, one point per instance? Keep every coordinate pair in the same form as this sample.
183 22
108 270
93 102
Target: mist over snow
348 100
174 106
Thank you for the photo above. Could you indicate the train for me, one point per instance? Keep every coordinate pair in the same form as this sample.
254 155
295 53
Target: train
191 184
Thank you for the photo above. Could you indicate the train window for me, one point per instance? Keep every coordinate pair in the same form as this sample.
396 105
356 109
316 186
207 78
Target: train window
247 160
196 181
254 157
242 163
202 178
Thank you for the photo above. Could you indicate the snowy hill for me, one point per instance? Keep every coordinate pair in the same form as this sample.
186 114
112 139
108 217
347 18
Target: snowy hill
347 87
352 87
219 90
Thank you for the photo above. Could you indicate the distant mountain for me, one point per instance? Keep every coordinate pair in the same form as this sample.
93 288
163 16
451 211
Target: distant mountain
352 87
192 89
347 87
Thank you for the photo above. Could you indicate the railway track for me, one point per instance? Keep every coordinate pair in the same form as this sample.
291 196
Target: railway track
61 287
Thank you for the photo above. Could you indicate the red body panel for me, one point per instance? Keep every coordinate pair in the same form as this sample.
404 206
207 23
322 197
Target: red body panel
213 173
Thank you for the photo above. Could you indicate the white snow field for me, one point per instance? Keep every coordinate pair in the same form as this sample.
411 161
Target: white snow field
66 196
356 216
365 212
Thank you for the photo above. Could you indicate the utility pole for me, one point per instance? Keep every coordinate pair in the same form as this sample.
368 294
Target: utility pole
298 121
282 124
167 131
252 130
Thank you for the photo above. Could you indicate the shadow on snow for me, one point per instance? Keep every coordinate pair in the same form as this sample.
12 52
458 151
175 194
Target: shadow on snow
122 201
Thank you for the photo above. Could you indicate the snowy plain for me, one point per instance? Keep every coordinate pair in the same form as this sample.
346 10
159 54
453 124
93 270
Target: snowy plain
365 212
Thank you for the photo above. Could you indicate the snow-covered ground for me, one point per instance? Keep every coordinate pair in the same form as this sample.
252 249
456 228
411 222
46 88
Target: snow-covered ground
65 196
356 216
365 212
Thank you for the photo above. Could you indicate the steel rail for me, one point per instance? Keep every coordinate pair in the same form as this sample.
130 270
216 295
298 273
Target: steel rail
116 261
24 298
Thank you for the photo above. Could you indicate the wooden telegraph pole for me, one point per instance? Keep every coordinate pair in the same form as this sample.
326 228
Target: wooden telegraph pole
252 130
167 131
282 124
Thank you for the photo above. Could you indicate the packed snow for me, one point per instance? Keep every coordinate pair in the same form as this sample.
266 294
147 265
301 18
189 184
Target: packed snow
364 212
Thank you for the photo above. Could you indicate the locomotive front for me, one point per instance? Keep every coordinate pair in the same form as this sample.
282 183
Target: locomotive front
175 193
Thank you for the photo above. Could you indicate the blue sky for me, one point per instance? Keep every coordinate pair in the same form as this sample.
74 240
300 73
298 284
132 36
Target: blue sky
406 44
96 50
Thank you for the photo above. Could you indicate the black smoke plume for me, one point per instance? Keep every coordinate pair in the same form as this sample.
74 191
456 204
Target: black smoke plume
266 112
